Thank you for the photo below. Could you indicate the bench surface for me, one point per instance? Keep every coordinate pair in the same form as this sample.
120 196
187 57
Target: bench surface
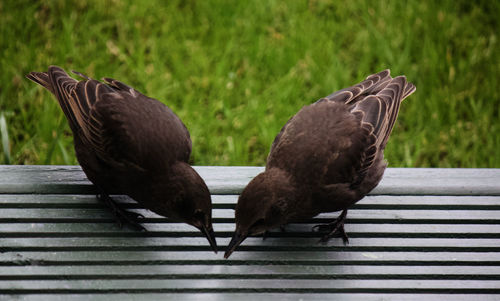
422 234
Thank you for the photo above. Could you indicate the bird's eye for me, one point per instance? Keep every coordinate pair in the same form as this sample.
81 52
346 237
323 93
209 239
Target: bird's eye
199 215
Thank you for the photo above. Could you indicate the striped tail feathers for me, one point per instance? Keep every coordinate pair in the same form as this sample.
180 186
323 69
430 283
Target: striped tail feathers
409 89
51 81
41 78
73 107
393 96
60 84
371 85
381 110
396 92
380 81
373 111
75 98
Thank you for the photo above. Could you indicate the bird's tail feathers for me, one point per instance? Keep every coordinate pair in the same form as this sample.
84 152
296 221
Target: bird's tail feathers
57 81
371 85
409 89
81 75
381 110
41 78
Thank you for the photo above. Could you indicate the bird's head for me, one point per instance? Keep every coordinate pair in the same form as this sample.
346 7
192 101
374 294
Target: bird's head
263 205
186 199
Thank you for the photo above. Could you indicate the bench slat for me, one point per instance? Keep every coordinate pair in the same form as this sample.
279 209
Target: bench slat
232 296
270 243
228 201
250 271
62 295
231 180
95 213
312 258
226 229
231 284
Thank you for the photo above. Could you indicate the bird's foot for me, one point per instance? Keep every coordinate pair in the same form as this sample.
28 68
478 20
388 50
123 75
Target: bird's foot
334 228
264 235
122 216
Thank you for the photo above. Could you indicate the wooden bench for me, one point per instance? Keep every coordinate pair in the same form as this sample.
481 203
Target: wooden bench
422 234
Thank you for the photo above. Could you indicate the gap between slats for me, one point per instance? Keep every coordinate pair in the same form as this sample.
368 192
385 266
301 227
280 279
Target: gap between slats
210 262
235 296
274 276
457 291
179 234
267 248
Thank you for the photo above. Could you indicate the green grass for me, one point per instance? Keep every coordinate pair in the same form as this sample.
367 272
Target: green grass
235 71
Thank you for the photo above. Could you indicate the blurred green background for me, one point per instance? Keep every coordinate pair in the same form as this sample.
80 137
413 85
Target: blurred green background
235 71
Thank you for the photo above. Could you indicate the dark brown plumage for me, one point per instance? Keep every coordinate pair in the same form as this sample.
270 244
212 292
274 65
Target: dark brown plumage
326 158
128 143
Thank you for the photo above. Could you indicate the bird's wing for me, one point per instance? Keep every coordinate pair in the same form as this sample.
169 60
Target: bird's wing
118 85
278 137
372 84
339 138
135 128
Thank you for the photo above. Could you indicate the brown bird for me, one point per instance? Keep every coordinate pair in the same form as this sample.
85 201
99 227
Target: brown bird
128 143
326 158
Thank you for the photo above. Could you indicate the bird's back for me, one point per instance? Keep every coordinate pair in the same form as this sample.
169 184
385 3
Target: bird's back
115 127
340 139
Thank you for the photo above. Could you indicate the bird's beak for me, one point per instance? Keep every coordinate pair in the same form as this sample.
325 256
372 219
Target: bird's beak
235 242
210 235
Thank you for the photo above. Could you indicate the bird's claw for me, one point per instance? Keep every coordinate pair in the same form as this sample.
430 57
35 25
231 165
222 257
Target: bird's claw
334 229
339 232
131 218
123 216
128 217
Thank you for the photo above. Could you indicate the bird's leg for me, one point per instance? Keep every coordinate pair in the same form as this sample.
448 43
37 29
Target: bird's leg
120 214
334 228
